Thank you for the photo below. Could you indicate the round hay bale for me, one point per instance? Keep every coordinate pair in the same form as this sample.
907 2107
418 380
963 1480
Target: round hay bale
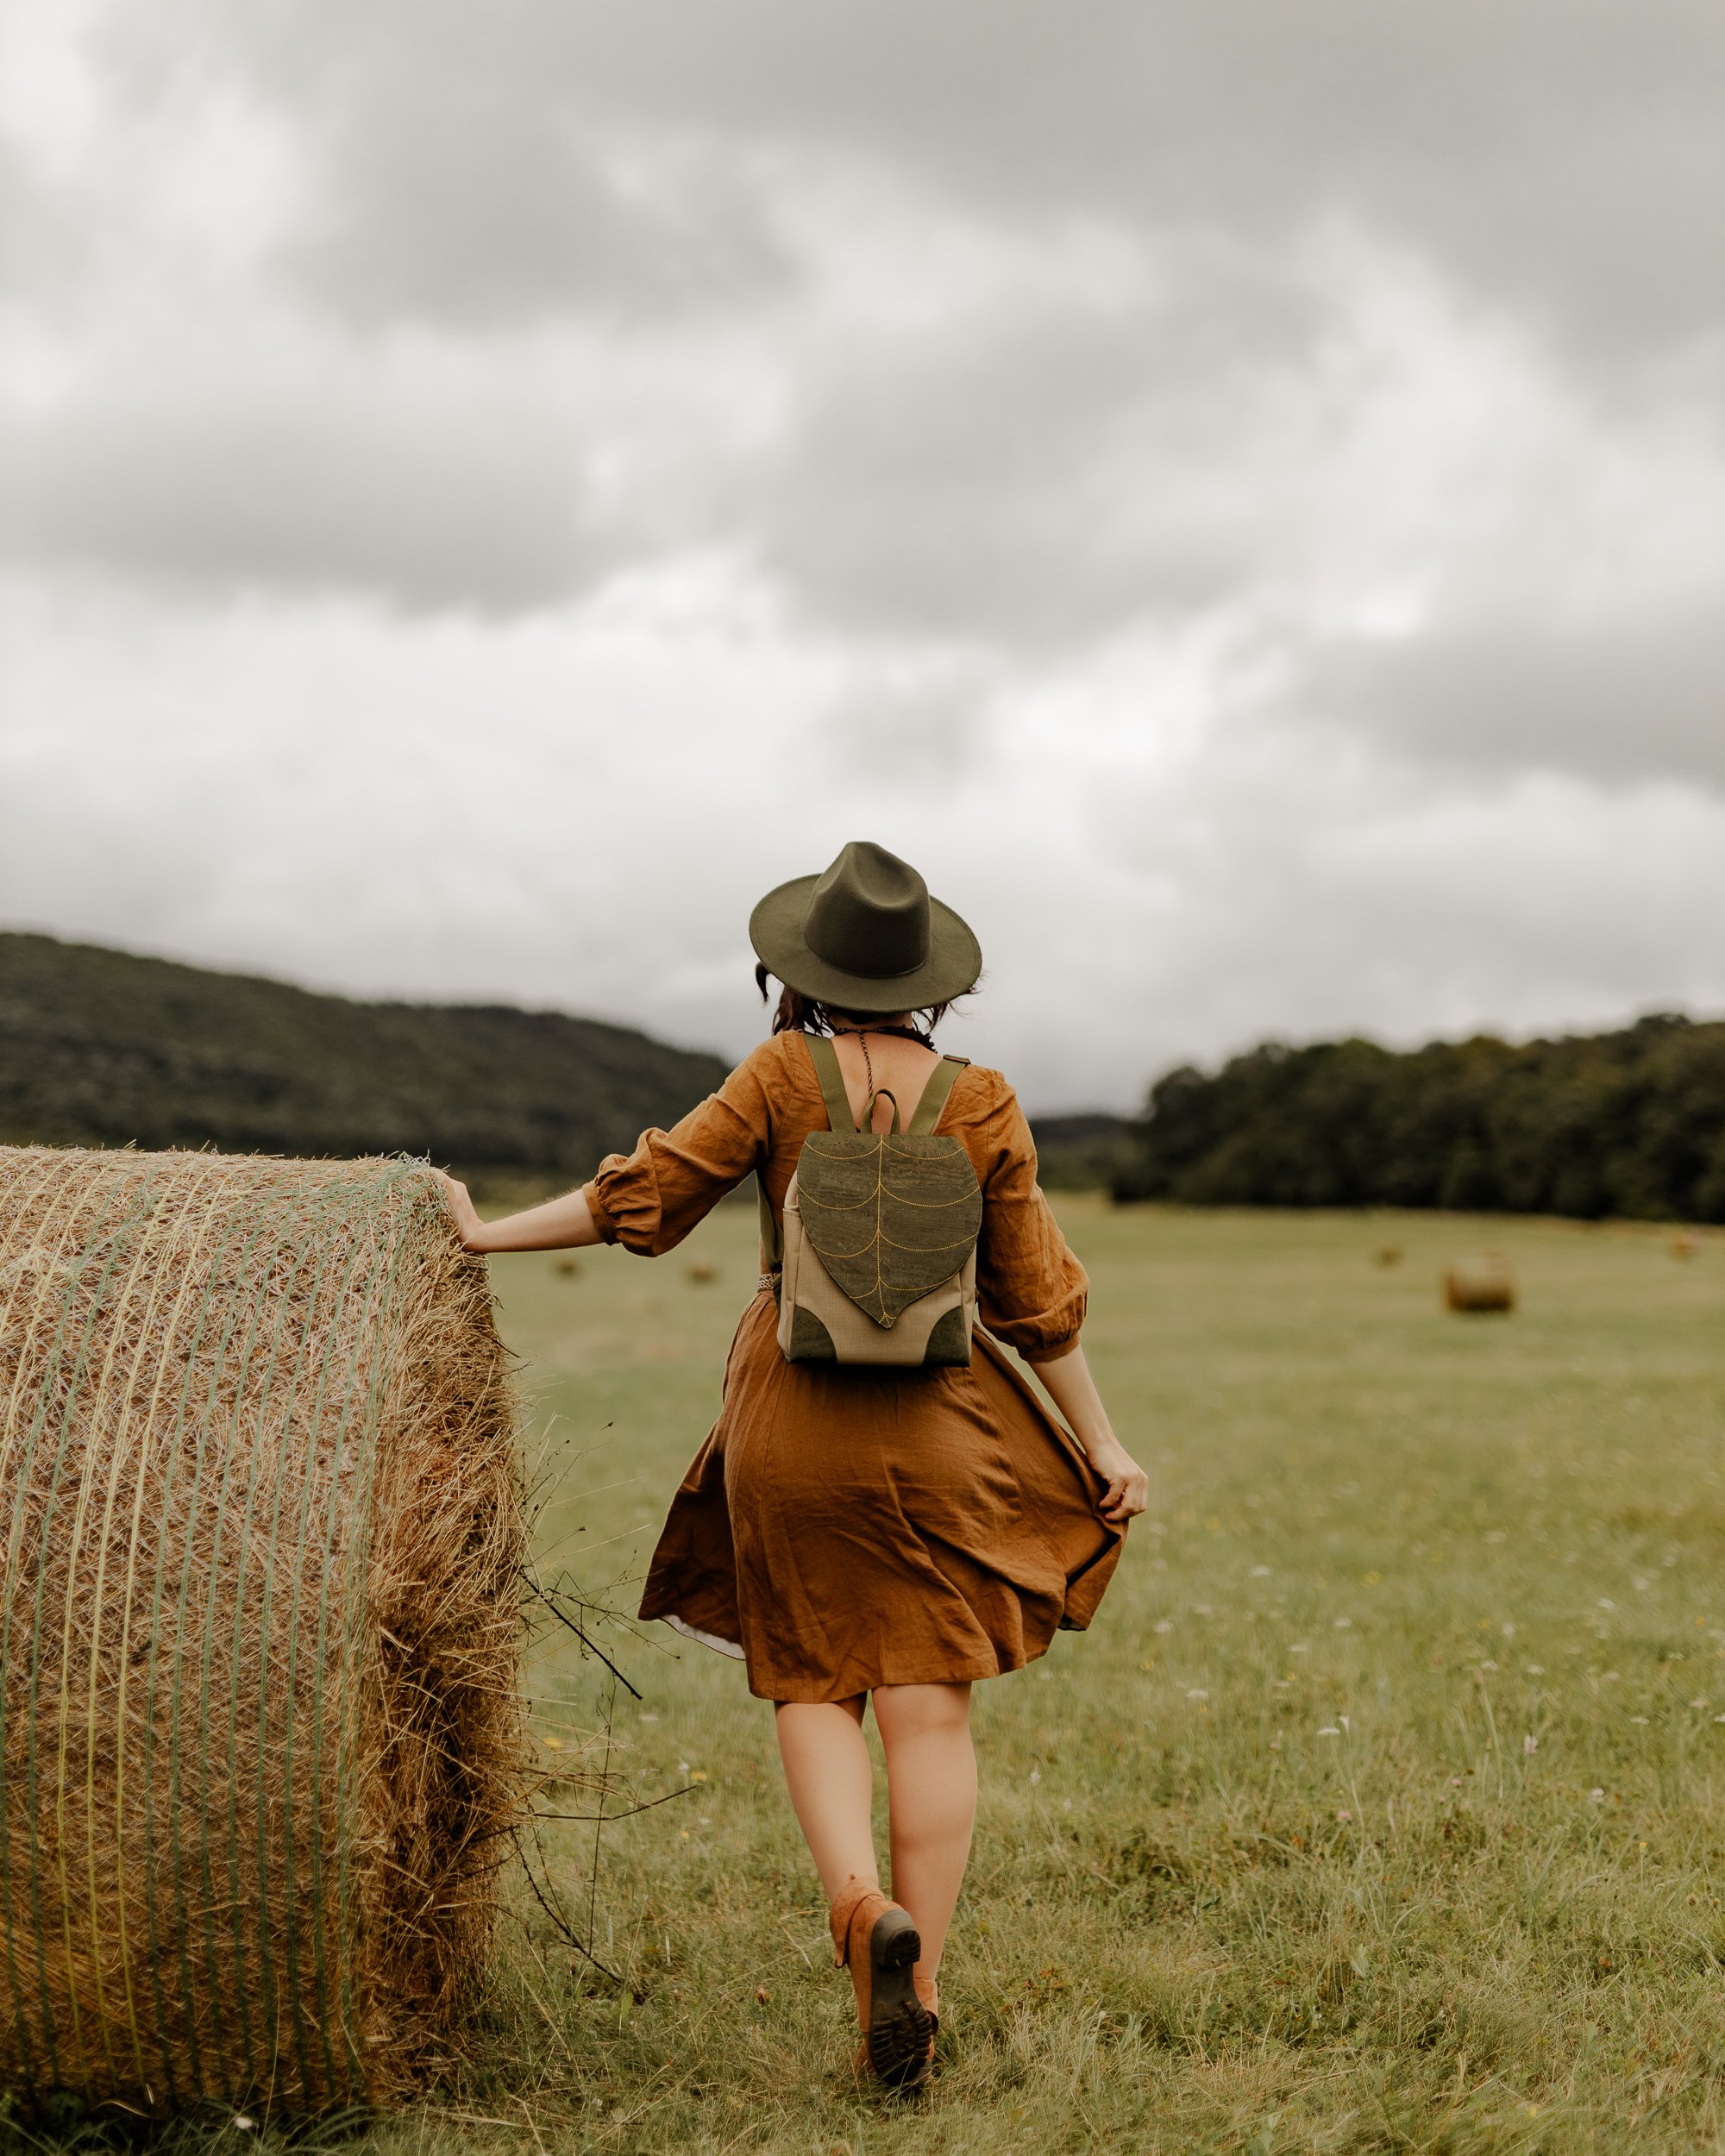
1479 1285
259 1743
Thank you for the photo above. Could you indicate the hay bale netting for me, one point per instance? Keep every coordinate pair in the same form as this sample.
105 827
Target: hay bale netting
262 1532
1480 1286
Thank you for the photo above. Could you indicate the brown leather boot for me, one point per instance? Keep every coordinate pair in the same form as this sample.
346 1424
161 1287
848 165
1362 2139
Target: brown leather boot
928 1990
879 1941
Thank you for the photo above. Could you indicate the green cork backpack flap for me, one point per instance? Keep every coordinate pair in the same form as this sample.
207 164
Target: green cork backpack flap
880 1235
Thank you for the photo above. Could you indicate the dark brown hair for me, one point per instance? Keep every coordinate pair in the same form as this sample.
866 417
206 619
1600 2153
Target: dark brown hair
797 1014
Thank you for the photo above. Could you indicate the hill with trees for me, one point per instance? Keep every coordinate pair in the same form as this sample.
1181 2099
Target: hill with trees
102 1047
1630 1123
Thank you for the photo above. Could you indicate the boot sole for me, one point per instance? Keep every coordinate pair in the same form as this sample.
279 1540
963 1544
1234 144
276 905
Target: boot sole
899 2030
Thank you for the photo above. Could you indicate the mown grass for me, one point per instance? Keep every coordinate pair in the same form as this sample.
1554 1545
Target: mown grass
1381 1810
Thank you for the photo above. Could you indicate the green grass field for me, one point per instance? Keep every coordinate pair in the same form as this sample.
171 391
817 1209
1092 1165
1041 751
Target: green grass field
1381 1808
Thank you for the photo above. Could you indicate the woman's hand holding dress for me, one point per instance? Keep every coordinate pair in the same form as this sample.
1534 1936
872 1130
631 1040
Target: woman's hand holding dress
1074 1392
1128 1490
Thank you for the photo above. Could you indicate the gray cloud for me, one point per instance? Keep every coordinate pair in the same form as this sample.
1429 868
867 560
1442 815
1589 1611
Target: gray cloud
455 198
1562 154
1005 486
280 485
609 174
1615 701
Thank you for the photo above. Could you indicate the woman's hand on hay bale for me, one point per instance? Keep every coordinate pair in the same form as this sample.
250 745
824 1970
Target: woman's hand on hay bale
561 1224
468 1225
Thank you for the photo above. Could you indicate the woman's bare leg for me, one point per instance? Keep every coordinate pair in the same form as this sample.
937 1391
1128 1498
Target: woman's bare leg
830 1779
931 1782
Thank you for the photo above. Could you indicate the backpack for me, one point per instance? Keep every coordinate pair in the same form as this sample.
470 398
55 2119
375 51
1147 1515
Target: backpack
877 1263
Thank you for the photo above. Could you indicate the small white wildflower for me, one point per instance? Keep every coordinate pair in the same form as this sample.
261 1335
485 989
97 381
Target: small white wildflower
1329 1730
1036 1774
1536 1668
1197 1692
1165 1625
1595 1796
1641 1719
1344 1624
1301 1649
242 2124
1488 1664
1529 1746
1260 1571
1606 1602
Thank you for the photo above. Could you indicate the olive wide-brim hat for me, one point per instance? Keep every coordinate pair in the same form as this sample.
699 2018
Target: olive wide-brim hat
865 935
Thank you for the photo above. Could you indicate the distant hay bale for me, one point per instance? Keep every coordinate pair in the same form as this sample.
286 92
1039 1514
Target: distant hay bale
1684 1245
259 1741
1479 1285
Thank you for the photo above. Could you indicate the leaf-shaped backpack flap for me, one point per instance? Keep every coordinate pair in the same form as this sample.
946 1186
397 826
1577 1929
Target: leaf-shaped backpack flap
890 1218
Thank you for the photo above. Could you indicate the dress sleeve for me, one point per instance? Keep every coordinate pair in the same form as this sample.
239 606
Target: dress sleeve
650 1199
1032 1290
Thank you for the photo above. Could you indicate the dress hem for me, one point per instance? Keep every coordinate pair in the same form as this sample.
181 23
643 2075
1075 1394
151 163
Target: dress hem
977 1673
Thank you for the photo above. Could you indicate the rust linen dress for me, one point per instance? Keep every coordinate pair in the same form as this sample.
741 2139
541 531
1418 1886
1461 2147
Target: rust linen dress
849 1528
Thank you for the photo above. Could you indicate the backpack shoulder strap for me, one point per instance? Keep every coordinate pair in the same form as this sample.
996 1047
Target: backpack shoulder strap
824 1058
935 1093
772 1242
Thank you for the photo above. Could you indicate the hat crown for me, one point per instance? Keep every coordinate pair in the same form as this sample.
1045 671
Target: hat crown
869 914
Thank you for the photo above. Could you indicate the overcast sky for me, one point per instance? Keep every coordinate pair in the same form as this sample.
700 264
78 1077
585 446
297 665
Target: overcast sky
1235 491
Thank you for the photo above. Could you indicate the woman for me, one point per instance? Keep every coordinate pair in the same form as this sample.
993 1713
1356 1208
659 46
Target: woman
857 1533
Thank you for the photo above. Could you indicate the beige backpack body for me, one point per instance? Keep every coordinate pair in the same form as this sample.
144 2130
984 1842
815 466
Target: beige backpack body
878 1257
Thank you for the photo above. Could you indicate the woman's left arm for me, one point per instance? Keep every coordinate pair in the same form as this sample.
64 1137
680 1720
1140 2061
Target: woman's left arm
561 1224
651 1199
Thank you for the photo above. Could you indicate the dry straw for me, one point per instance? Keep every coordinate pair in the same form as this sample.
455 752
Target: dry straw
1479 1285
259 1710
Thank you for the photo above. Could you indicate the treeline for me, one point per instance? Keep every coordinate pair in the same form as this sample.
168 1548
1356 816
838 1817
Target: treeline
1630 1123
1078 1152
101 1048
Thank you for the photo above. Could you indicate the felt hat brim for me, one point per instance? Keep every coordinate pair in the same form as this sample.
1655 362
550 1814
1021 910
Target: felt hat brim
952 968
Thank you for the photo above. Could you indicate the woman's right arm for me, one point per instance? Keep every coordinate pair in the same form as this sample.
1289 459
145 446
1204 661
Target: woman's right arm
1073 1390
1034 1293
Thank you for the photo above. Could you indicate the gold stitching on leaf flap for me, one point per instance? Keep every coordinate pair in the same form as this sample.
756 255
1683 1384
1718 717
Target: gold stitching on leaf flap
889 1217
